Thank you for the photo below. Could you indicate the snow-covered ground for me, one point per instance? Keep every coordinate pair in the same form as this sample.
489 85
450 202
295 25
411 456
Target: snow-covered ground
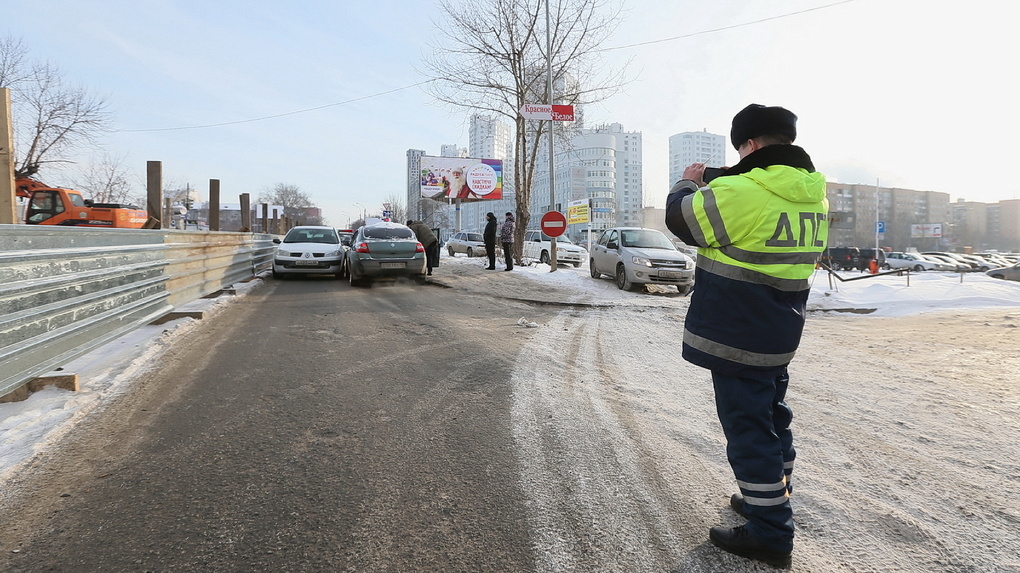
905 394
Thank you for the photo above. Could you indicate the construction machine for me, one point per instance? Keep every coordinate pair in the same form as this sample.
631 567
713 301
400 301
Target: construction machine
67 207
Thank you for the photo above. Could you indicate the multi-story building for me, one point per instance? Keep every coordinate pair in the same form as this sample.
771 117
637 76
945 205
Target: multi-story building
601 164
986 226
695 147
414 199
490 137
1007 232
907 215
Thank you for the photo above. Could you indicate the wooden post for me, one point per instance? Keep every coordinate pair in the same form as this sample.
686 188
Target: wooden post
245 212
154 186
8 203
214 204
265 218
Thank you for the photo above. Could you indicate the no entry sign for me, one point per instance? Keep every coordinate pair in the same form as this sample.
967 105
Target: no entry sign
554 223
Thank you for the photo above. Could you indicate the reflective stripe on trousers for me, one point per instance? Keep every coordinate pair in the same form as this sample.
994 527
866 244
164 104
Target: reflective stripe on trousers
759 445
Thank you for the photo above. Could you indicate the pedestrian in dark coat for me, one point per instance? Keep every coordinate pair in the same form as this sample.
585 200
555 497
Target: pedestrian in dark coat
428 240
489 236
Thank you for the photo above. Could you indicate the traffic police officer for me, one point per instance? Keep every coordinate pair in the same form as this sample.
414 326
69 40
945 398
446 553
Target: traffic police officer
759 228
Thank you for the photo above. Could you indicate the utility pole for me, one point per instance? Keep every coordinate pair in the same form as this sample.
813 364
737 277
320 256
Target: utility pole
549 99
8 205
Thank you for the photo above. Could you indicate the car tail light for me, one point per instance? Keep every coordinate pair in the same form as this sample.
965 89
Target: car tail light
361 248
419 249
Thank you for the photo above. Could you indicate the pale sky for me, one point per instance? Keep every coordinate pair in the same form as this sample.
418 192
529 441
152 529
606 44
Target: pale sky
908 93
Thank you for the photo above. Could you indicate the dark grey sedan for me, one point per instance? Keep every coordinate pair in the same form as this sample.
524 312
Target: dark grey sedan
384 250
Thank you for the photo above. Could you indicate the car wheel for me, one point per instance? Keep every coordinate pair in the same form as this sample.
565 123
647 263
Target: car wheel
450 250
280 276
622 282
886 266
684 289
918 268
350 277
544 258
595 274
470 252
998 276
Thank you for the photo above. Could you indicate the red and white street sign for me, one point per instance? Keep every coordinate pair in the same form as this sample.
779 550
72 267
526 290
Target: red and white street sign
547 112
554 223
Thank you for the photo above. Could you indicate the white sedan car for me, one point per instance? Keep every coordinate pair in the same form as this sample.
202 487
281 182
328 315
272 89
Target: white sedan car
309 250
912 261
538 246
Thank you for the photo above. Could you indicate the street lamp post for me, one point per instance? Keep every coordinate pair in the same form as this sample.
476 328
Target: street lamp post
364 212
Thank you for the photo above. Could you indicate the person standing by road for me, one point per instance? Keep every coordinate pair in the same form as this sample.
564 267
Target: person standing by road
489 237
428 240
759 228
506 236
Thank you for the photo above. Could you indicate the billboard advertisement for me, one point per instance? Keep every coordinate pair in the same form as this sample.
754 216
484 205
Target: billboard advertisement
577 212
925 231
461 178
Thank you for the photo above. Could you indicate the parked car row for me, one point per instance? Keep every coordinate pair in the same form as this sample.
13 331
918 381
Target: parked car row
380 250
852 258
855 258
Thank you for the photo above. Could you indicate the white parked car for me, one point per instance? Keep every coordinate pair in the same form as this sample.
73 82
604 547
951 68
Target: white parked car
309 250
471 244
912 261
634 256
538 245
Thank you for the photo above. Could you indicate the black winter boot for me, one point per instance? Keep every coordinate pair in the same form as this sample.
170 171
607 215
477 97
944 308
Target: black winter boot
740 541
737 503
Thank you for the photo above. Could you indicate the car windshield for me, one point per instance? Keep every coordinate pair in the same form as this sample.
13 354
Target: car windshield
388 233
311 236
561 239
477 237
645 239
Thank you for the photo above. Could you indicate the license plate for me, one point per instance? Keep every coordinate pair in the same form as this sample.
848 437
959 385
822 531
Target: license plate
304 263
671 274
392 265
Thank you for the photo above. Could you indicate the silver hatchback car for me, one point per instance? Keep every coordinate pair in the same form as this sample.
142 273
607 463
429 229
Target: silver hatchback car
636 256
470 244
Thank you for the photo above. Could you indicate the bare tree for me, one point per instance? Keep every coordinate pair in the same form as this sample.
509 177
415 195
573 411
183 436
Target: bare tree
493 57
295 202
105 180
50 118
396 205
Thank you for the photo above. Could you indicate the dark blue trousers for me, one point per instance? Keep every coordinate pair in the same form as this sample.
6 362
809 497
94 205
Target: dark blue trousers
759 445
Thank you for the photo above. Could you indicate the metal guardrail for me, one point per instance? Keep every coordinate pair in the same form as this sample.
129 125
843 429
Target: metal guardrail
66 291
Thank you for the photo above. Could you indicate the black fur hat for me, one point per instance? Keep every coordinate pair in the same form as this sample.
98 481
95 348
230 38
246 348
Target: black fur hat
756 120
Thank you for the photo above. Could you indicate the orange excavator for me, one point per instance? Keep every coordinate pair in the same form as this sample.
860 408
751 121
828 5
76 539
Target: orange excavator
66 207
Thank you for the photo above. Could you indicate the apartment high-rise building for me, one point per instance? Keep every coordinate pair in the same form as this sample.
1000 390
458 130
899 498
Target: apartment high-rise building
855 210
601 164
695 147
490 137
414 183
